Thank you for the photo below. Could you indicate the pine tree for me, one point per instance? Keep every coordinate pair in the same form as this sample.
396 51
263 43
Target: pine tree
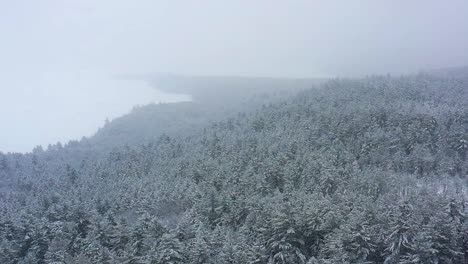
57 250
199 247
284 241
352 242
399 241
169 250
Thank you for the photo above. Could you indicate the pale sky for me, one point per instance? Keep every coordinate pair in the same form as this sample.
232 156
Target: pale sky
56 55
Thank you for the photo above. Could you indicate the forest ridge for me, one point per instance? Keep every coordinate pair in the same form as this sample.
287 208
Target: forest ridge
369 170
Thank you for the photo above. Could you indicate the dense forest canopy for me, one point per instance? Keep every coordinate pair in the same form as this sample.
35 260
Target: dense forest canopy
368 170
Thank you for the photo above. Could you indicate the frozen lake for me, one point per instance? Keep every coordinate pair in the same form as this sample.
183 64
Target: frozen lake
57 107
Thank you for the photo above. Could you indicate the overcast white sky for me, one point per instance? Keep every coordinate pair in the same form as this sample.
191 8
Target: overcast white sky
53 51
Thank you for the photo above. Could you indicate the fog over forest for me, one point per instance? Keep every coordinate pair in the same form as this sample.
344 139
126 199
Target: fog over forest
50 48
63 106
233 132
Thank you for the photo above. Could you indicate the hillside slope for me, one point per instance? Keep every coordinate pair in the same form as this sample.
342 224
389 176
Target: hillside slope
214 99
356 171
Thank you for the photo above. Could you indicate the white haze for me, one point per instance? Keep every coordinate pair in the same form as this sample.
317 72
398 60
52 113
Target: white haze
55 55
62 107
